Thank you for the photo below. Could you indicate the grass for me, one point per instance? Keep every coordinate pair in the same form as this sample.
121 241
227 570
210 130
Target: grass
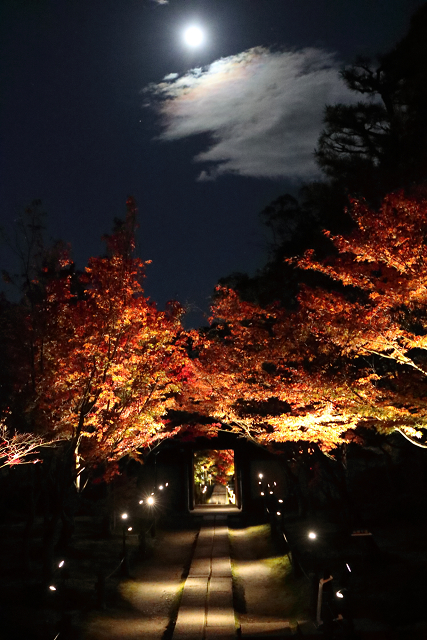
273 586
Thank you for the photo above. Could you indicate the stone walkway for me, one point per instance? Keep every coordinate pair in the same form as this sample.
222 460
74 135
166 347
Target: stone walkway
206 608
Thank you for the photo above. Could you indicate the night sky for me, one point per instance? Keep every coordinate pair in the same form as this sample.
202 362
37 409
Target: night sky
101 99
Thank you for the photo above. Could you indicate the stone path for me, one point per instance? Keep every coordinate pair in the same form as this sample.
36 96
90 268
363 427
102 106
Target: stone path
206 608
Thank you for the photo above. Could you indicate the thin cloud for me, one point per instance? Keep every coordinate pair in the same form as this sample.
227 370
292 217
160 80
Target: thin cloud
263 109
170 76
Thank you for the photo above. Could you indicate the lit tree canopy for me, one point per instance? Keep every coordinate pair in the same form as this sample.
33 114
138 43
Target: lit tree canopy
110 362
353 354
379 319
107 365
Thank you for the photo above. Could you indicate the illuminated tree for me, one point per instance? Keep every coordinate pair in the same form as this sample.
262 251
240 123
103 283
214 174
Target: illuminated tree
352 355
107 365
379 319
252 376
215 466
18 448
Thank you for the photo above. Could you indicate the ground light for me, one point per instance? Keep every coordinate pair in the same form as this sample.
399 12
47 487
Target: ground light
312 535
150 500
125 568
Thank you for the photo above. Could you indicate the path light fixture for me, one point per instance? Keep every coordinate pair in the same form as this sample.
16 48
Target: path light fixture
339 594
124 566
150 500
141 502
61 564
52 587
312 535
260 476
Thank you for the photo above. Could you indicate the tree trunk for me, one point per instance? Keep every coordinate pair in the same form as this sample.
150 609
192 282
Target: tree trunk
33 496
62 481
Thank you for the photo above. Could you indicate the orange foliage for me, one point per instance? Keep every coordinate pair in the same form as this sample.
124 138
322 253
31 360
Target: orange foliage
356 356
109 364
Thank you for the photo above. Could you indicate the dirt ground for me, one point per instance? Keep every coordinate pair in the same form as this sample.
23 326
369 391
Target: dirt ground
149 600
140 606
389 590
265 590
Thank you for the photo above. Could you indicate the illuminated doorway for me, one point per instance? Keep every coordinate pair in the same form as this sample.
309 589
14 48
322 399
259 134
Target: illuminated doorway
214 477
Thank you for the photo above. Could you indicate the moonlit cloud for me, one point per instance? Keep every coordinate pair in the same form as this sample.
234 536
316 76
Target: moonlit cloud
170 76
263 109
161 1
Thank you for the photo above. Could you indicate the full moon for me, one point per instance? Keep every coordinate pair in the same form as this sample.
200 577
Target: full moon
193 36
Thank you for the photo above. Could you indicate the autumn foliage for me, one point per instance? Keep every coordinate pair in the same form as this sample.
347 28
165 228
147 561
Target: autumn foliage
351 355
378 319
105 364
112 375
110 361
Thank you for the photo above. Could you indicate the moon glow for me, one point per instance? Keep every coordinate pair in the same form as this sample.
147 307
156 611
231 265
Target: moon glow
193 36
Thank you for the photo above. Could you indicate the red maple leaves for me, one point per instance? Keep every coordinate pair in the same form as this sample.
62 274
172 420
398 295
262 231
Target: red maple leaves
113 375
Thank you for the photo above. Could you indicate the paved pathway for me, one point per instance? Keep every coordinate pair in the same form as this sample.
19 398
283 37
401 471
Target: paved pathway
206 609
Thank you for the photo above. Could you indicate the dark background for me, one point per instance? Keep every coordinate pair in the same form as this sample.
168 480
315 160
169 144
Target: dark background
75 135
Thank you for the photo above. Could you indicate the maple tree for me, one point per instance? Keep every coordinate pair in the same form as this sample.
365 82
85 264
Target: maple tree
111 361
352 355
251 377
215 466
379 319
18 448
105 365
